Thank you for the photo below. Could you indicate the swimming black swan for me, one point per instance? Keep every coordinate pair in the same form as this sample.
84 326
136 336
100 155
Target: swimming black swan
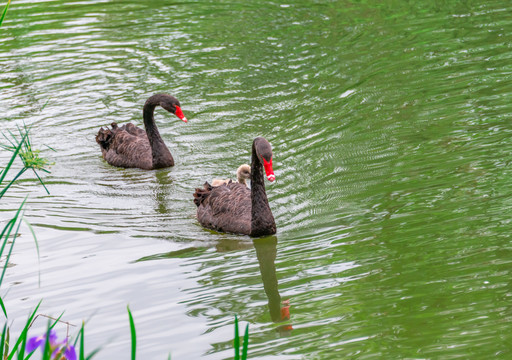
129 146
243 173
233 207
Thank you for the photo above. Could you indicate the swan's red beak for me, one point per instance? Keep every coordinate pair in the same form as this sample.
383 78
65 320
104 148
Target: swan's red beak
268 169
180 114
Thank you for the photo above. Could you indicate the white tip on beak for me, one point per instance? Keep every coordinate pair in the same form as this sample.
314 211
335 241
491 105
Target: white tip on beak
271 177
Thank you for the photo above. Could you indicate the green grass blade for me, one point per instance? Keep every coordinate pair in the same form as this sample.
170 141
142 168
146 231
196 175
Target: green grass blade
9 253
41 181
236 340
27 131
3 344
94 352
13 157
23 334
4 12
82 347
13 240
3 309
33 235
47 352
4 237
46 103
245 345
21 353
7 339
4 231
134 335
4 190
12 142
81 338
7 231
37 246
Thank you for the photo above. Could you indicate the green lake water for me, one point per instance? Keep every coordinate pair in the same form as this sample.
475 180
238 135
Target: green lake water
391 128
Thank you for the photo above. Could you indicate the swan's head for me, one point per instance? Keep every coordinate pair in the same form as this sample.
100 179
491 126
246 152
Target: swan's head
243 173
171 104
264 152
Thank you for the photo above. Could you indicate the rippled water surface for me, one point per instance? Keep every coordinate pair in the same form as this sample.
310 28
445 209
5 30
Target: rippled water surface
390 124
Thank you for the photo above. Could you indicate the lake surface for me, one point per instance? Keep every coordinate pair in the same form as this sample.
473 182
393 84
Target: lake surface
391 130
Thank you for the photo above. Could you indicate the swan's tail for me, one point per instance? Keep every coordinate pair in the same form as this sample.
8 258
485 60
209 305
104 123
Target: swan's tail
104 137
202 194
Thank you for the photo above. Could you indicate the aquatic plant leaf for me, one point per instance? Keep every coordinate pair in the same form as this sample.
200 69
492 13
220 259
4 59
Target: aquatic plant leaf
245 345
3 309
134 335
4 12
236 340
4 237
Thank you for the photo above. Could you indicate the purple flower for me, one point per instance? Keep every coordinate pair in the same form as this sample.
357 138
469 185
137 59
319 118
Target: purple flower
37 341
70 353
61 350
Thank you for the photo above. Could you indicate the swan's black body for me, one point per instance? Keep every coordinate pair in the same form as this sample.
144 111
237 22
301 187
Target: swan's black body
233 207
129 146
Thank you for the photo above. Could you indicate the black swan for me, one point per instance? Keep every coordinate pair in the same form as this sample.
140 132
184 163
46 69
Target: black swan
233 207
243 173
131 147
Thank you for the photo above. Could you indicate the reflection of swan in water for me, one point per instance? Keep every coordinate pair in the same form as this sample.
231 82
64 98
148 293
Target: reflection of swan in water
266 250
162 192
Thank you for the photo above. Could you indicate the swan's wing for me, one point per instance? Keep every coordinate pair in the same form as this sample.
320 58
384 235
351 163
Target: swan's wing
134 130
124 148
232 198
225 208
128 140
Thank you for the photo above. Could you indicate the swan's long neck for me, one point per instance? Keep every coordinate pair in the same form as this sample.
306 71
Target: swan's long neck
262 220
161 155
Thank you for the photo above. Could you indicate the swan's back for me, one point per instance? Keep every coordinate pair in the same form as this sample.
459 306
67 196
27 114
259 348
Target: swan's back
126 146
225 208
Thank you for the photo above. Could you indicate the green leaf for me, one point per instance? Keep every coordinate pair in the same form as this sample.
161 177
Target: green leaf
4 190
13 157
134 335
82 346
4 12
4 344
47 352
13 222
3 309
246 343
33 235
236 340
21 353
